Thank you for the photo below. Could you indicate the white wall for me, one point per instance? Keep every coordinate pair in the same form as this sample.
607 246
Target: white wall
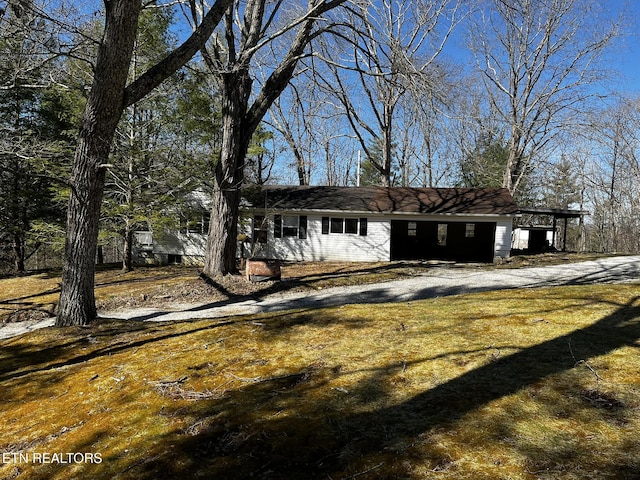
502 249
375 246
343 247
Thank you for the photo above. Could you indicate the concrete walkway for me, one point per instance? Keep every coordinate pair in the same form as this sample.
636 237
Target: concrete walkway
441 281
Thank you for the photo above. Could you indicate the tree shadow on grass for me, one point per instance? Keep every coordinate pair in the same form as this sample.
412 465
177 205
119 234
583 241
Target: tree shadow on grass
20 359
266 430
280 436
294 426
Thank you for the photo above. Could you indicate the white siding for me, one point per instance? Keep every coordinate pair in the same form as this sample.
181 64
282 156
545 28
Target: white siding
189 246
503 238
375 246
328 247
520 239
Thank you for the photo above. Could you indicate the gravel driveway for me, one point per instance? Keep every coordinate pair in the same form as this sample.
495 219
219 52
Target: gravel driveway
438 282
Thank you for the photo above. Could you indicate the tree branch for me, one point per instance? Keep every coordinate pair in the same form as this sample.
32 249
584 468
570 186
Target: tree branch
176 59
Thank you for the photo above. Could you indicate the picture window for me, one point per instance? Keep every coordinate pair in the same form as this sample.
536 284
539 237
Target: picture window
291 226
353 226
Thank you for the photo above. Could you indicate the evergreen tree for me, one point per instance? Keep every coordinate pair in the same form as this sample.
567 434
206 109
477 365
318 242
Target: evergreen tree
562 189
370 173
484 167
140 178
260 159
36 122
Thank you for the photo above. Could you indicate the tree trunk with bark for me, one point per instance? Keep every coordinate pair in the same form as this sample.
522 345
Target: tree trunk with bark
18 253
102 113
223 227
127 254
241 120
106 102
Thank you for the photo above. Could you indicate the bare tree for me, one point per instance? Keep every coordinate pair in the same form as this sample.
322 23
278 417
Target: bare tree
108 98
539 65
255 31
389 49
424 145
613 178
293 118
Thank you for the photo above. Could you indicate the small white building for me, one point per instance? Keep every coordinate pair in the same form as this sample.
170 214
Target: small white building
314 223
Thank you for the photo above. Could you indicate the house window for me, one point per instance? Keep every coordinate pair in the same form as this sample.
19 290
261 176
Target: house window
194 222
363 227
351 226
412 229
470 230
174 259
325 225
290 226
260 229
442 234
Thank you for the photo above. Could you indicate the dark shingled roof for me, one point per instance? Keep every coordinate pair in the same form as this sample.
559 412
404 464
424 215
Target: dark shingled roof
479 201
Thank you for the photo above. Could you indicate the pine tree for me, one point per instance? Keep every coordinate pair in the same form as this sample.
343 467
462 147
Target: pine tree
35 133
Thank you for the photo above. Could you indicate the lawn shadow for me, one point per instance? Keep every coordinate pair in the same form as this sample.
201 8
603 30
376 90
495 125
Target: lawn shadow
328 440
21 359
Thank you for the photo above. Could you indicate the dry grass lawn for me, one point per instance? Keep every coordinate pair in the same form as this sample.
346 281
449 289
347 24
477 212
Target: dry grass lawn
524 384
536 384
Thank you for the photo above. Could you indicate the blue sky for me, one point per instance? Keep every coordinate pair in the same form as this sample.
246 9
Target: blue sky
623 58
629 57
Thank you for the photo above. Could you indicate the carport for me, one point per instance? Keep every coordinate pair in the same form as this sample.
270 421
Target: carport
556 214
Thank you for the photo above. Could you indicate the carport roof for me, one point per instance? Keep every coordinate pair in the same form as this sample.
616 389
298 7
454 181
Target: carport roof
476 201
554 212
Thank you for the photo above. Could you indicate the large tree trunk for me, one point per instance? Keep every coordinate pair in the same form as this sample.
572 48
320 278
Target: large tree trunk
220 257
240 122
77 300
107 100
223 233
101 115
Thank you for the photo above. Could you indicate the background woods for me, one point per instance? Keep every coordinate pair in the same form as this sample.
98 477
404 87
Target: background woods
161 101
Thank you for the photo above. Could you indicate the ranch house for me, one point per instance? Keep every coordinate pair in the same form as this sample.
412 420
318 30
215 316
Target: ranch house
316 223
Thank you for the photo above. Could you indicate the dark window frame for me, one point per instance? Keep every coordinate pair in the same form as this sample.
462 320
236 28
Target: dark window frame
345 226
351 226
281 230
337 225
364 226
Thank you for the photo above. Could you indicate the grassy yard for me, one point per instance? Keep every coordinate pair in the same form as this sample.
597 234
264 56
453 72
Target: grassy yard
533 384
35 296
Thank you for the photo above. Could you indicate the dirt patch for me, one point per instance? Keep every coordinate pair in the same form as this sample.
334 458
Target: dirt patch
34 297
